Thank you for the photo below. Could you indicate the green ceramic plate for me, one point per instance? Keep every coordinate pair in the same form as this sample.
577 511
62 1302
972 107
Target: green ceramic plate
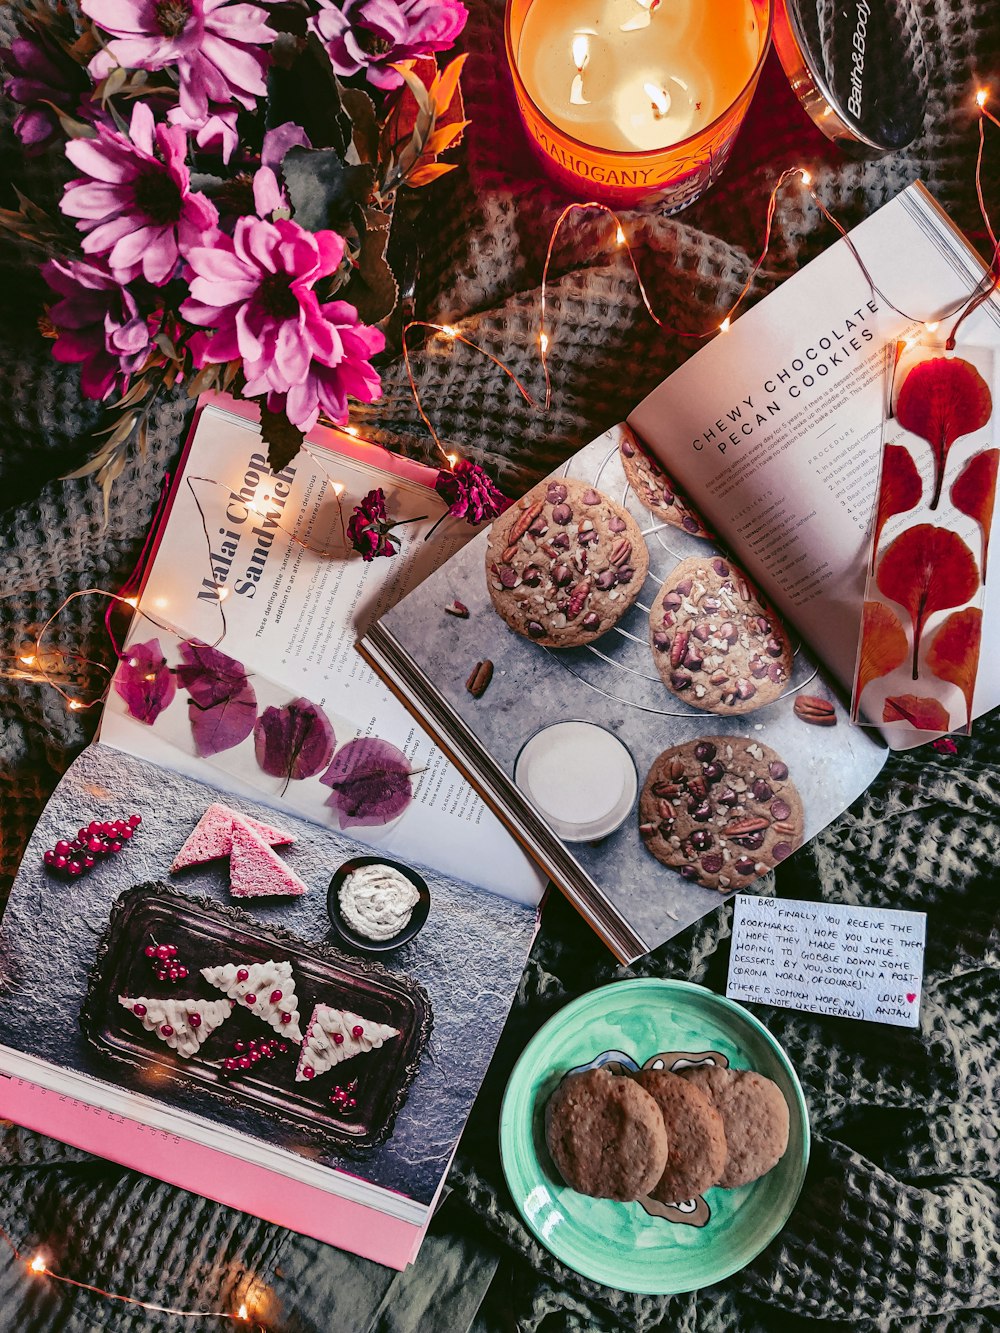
620 1244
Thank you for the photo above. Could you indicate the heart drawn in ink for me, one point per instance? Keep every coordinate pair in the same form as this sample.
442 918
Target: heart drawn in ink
912 997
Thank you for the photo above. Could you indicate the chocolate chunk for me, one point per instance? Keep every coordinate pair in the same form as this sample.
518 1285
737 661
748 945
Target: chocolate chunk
780 809
761 791
704 751
778 771
780 850
562 513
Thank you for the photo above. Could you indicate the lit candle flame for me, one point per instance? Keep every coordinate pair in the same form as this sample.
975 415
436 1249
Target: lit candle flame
659 97
581 59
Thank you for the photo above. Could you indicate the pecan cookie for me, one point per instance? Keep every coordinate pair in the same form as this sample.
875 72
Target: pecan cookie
694 1126
605 1135
715 644
755 1115
656 491
720 810
564 564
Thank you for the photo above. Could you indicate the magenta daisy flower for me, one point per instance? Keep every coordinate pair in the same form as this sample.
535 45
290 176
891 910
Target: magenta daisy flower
42 78
255 290
326 387
215 46
135 202
97 324
373 35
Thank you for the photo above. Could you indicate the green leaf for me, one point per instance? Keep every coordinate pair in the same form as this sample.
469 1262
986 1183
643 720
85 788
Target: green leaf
283 440
309 94
323 189
372 288
361 109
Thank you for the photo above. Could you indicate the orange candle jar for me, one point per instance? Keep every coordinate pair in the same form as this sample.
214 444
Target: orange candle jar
630 101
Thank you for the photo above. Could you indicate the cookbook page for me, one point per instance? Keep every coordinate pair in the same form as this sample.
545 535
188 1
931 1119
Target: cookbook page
776 427
240 668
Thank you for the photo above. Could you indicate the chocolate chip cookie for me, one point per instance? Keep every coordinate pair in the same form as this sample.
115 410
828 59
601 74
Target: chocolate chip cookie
720 810
695 1131
656 491
755 1115
564 564
605 1134
715 643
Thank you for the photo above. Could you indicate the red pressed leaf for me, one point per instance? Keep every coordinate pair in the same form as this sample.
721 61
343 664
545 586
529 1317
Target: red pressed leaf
924 714
883 644
145 682
927 569
370 781
900 488
293 742
974 492
942 399
954 653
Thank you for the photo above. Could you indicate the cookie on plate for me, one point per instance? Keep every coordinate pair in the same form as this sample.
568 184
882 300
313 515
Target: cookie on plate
655 490
564 564
755 1115
605 1135
720 810
715 643
697 1137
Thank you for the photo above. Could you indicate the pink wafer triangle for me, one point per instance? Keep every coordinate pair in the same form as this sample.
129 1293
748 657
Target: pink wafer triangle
212 836
255 871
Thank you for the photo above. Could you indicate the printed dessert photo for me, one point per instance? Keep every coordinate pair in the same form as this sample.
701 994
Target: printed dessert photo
638 692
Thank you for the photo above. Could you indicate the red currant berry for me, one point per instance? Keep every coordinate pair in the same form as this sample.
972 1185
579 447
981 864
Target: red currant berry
244 1062
135 820
254 1057
88 863
194 1020
74 868
173 974
352 1102
250 999
150 951
107 829
283 1048
139 1010
125 833
229 1064
167 1030
182 972
94 845
94 827
82 835
239 1046
62 847
285 1018
49 857
338 1039
171 950
253 1043
242 974
114 846
163 951
308 1072
59 862
275 996
357 1032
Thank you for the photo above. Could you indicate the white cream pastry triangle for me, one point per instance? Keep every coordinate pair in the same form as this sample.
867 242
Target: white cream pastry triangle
266 989
185 1025
335 1035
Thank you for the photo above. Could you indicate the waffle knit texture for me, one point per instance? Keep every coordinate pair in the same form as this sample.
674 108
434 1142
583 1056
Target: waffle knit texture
898 1227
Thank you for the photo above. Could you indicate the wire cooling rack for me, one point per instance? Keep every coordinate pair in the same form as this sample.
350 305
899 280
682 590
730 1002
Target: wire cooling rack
619 665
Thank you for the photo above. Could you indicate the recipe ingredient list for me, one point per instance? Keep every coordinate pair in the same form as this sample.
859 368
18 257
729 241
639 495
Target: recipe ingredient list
849 962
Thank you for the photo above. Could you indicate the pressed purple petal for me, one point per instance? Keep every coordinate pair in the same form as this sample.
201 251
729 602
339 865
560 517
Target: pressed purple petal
145 682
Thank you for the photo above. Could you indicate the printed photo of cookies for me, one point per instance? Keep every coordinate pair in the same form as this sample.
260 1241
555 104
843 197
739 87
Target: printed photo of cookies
720 811
564 564
655 490
715 644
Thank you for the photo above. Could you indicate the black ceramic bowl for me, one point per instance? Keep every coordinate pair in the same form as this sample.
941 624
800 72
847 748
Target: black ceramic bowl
417 917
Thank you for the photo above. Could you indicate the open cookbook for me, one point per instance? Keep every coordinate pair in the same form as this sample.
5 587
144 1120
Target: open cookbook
646 679
176 992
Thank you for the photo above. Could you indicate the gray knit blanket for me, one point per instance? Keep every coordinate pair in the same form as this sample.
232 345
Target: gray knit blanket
898 1227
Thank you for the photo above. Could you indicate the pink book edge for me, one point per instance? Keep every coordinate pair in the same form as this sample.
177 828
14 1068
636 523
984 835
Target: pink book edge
215 1175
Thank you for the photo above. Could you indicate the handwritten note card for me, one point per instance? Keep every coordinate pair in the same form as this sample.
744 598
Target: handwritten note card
851 962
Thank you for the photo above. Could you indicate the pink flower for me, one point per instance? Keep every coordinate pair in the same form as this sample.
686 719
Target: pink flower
97 324
326 387
255 290
135 203
373 35
42 77
215 130
214 46
470 493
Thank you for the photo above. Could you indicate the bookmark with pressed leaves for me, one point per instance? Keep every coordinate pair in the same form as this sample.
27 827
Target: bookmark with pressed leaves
918 652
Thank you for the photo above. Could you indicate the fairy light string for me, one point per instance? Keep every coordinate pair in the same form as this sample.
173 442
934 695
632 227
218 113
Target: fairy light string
37 1268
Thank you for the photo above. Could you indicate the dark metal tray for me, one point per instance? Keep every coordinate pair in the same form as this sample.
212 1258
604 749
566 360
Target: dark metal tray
207 934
